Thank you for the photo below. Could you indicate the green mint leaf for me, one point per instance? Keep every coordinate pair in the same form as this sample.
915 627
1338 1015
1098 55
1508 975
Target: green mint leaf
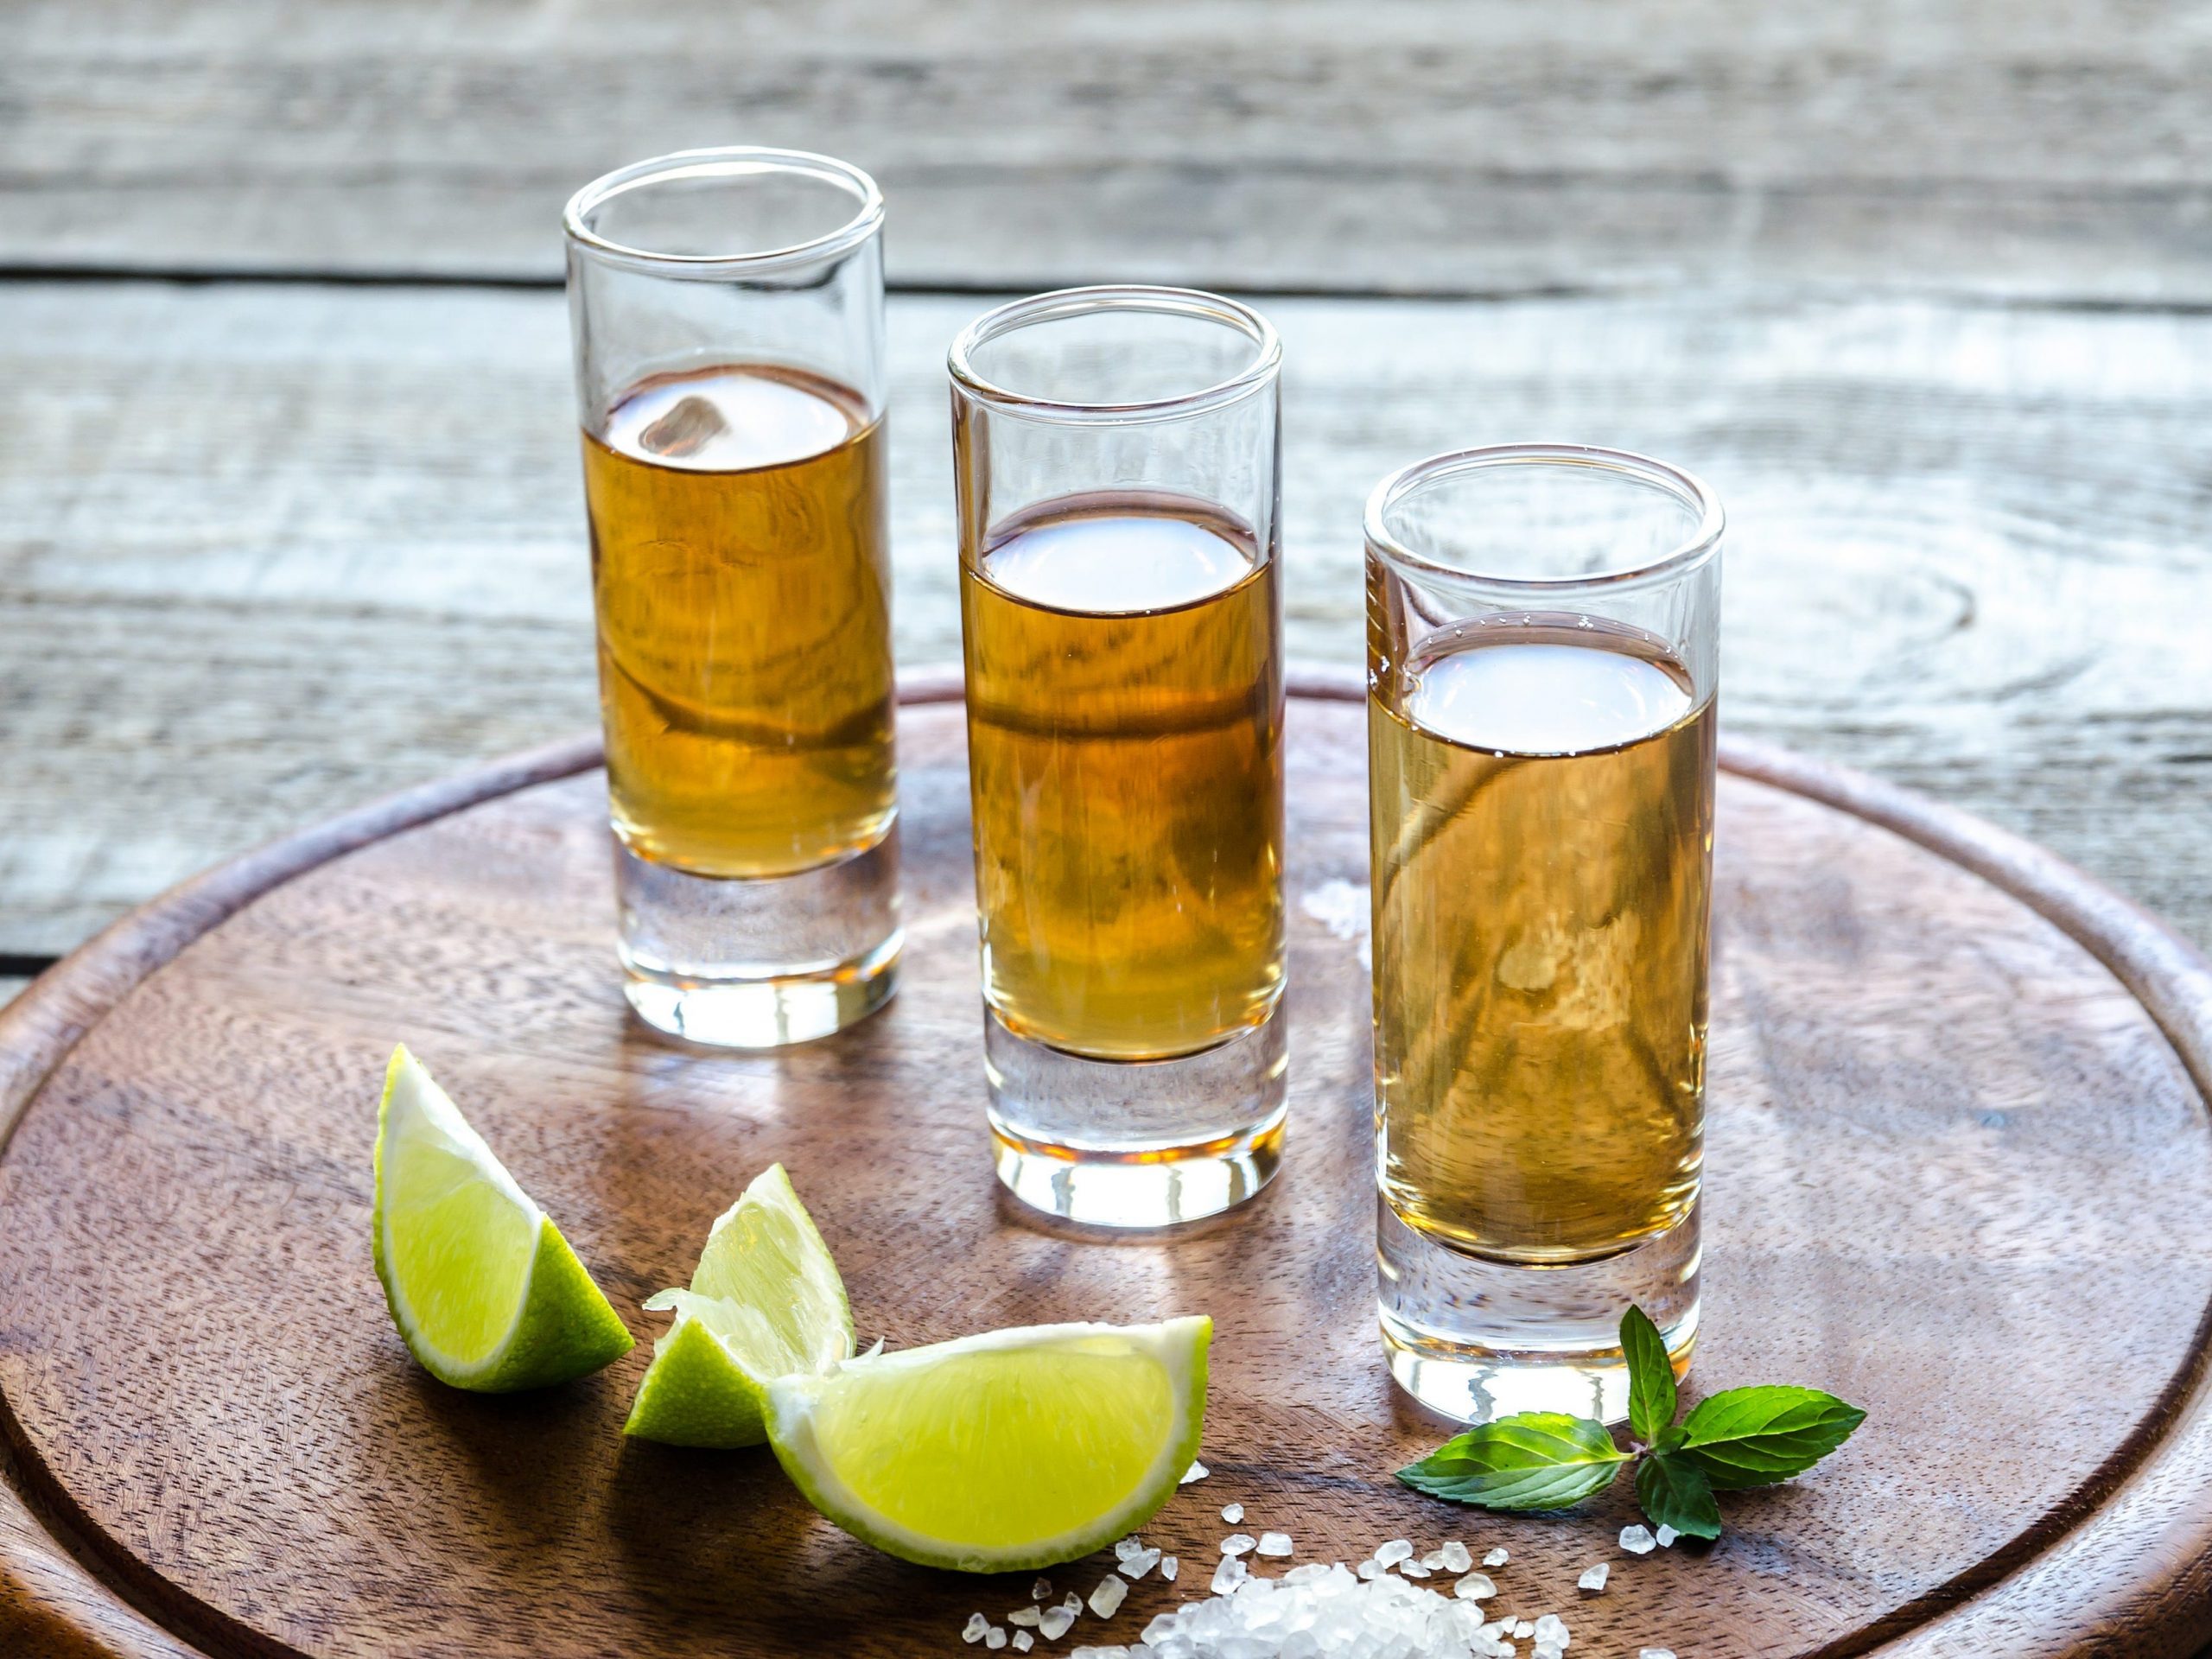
1674 1492
1650 1377
1754 1437
1533 1460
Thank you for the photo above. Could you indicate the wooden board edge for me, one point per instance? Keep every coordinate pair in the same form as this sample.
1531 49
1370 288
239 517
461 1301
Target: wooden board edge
40 1027
51 1601
2144 1558
2133 1574
2166 973
53 1606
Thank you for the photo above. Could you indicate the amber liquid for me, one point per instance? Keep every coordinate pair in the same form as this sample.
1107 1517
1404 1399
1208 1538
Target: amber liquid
1542 823
1125 705
741 570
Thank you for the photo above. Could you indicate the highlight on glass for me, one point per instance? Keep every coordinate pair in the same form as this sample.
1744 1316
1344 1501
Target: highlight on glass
728 314
1542 664
1117 462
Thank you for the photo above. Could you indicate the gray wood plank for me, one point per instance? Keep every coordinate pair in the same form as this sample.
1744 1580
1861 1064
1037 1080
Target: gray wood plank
267 550
2043 147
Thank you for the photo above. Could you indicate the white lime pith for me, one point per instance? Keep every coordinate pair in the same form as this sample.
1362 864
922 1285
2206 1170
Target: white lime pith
764 1302
1005 1452
484 1290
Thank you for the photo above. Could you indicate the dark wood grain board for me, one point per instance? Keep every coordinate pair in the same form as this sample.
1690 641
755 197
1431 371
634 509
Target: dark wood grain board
2016 146
1959 1168
268 551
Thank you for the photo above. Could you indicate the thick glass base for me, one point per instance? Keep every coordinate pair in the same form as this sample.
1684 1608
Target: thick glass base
1137 1143
1474 1340
762 961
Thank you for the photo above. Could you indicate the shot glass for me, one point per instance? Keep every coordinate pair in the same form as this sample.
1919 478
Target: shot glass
1117 454
1543 661
728 312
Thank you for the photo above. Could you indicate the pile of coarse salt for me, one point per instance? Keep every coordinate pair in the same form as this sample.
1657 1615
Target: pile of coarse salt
1327 1612
1318 1611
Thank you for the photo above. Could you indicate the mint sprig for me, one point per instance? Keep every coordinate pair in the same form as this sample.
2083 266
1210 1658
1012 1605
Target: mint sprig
1549 1460
1650 1376
1533 1460
1755 1437
1672 1491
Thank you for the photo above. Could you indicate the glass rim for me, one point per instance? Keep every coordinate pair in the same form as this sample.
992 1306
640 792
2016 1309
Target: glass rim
1060 304
1686 488
728 161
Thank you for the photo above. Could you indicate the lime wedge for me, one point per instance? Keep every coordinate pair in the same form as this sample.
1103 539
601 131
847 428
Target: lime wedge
484 1289
1001 1453
766 1301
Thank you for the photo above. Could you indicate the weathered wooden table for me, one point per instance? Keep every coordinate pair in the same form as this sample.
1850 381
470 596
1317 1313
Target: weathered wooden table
289 512
289 506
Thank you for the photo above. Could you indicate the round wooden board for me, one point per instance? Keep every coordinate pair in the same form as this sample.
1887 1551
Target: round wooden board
1960 1169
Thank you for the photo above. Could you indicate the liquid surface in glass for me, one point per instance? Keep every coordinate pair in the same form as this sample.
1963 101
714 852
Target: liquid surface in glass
741 574
1125 706
1542 816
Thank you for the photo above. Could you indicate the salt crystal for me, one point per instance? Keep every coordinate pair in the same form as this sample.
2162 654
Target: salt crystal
1232 1513
1593 1578
1654 1653
1054 1623
1029 1616
1040 1590
1453 1557
1237 1542
1495 1558
1523 1629
1108 1596
972 1632
1196 1471
1123 1549
1311 1573
1474 1587
1231 1572
1413 1569
1098 1653
1434 1560
1169 1566
1274 1543
685 430
1023 1641
1140 1563
994 1638
1397 1550
1638 1540
1667 1536
1551 1631
1346 911
1369 1570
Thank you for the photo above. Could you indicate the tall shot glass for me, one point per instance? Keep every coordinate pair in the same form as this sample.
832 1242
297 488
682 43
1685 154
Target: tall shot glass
727 313
1117 463
1542 660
